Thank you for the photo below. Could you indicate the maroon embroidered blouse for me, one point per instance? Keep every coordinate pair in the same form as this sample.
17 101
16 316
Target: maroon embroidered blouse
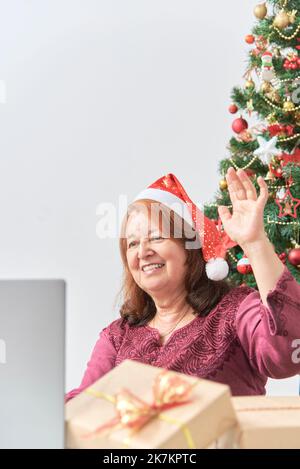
240 343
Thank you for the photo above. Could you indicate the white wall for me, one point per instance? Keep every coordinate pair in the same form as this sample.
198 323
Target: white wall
100 98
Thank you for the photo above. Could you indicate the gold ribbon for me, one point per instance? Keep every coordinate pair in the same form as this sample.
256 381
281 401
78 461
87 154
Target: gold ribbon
132 413
258 409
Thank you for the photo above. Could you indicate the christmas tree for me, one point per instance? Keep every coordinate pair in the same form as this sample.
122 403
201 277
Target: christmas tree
266 131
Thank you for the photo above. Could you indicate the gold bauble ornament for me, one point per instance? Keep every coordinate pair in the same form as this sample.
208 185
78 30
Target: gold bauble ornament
266 87
223 184
249 85
277 53
260 11
288 106
282 20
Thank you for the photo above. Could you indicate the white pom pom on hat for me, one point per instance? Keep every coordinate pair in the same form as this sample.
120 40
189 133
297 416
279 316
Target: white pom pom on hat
217 269
214 242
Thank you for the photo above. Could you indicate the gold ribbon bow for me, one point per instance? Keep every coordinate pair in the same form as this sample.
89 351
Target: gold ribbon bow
132 413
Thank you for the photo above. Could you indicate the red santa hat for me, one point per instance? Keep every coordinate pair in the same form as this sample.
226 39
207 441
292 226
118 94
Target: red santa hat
214 242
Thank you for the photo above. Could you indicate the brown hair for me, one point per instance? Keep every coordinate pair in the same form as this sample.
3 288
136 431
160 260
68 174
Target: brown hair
203 294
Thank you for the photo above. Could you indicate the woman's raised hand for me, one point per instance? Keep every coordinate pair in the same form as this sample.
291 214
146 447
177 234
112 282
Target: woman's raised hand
245 224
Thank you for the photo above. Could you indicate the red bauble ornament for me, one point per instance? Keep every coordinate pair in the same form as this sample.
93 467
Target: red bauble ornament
239 125
244 269
243 266
294 256
233 108
250 39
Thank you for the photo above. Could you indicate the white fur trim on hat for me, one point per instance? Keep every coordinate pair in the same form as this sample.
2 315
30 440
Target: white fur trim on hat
217 269
168 199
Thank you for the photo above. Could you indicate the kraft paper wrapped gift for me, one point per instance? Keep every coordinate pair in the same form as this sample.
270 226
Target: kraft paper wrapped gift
92 419
267 422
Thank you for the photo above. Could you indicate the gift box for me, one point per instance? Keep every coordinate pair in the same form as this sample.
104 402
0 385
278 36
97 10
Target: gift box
141 406
267 422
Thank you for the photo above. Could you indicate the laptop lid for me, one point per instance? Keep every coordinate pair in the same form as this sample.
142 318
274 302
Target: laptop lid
32 363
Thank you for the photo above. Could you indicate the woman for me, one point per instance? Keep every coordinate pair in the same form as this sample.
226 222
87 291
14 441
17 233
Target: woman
178 312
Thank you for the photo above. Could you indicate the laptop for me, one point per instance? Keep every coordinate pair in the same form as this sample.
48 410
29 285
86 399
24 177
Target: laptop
32 363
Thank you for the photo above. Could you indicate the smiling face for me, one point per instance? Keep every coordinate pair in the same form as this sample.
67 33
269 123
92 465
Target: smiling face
156 261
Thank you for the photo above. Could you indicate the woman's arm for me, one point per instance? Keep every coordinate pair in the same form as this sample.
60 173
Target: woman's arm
268 321
266 265
269 333
102 360
245 225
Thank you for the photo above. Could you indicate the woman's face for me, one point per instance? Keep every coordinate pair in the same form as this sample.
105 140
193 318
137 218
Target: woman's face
157 263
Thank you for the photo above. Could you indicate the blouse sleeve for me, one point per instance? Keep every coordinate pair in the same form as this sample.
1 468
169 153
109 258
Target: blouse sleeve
270 334
102 360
